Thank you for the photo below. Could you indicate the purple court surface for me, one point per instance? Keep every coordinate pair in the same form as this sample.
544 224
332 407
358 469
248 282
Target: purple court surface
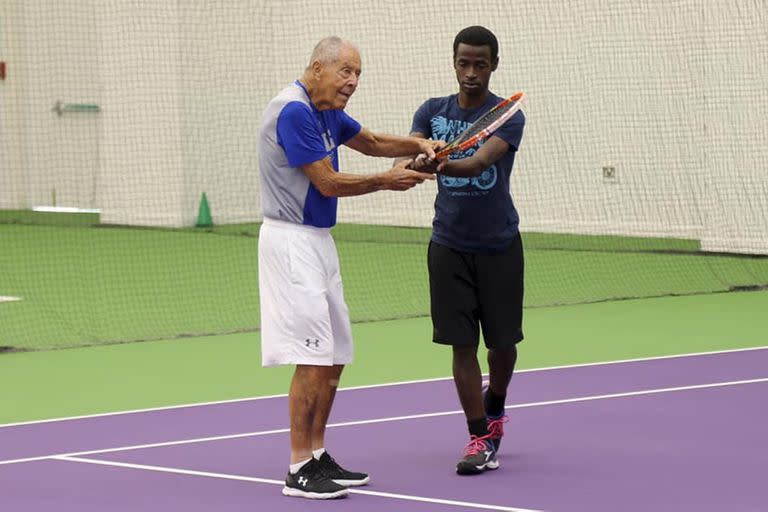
678 433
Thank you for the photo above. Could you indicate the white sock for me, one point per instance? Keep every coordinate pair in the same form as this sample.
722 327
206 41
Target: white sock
318 453
294 468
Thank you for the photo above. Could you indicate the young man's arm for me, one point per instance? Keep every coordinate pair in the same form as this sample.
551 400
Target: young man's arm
493 149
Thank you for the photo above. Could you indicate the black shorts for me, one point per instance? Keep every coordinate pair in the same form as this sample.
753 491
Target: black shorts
469 291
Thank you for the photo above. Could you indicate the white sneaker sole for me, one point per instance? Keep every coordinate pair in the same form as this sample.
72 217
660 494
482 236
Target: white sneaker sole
353 483
298 493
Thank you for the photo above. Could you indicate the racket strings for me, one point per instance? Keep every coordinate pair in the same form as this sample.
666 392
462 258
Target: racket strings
483 127
481 124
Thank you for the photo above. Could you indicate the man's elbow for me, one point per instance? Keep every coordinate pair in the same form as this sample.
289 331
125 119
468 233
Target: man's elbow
372 146
477 166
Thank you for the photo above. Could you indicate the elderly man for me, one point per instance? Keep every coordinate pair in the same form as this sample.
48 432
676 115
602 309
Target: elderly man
304 318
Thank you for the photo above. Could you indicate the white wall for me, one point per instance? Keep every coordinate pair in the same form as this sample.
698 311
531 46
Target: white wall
736 126
11 178
671 95
13 190
223 68
142 170
50 57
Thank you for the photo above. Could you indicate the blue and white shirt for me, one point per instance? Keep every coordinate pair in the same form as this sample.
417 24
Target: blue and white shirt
294 133
472 214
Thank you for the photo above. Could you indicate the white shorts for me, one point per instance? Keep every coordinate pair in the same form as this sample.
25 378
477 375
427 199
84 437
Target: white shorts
304 319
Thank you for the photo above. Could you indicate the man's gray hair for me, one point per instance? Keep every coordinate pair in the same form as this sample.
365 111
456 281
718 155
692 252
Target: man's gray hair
328 49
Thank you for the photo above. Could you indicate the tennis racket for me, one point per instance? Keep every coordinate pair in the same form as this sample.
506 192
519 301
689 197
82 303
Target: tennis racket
484 127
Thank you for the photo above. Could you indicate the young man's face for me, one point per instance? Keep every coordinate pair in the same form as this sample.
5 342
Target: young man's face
473 66
338 80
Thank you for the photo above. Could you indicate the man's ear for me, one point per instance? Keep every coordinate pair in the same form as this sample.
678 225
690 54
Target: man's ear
495 64
317 68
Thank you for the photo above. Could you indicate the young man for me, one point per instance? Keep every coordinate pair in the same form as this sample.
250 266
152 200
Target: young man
475 256
304 318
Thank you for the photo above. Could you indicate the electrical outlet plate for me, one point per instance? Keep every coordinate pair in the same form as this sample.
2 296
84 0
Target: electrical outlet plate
609 174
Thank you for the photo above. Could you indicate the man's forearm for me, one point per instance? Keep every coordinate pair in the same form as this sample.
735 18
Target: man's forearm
464 167
346 184
394 146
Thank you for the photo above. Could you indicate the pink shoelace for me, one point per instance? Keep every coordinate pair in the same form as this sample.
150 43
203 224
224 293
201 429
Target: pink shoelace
496 427
477 444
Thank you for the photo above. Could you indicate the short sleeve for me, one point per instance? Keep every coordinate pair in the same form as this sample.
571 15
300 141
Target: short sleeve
348 127
512 131
299 136
422 120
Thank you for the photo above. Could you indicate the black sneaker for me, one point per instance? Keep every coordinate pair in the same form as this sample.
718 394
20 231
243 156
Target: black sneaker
338 474
479 456
310 482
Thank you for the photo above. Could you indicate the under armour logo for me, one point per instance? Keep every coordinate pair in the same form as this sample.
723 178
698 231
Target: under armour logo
312 341
303 480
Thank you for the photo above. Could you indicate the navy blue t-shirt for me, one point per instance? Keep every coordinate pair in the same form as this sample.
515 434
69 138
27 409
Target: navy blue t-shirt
472 214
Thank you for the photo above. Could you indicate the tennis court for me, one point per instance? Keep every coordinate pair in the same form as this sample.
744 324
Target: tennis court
663 433
130 209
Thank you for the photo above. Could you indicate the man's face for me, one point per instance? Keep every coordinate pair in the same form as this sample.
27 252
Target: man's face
338 80
473 66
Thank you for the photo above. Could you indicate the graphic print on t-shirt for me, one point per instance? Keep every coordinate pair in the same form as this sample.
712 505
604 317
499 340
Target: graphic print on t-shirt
330 145
446 129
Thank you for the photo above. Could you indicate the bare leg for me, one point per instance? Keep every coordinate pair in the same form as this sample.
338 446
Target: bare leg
468 380
308 385
501 365
326 394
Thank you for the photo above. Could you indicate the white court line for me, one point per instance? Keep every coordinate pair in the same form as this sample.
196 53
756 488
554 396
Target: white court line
9 298
225 476
389 419
374 386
